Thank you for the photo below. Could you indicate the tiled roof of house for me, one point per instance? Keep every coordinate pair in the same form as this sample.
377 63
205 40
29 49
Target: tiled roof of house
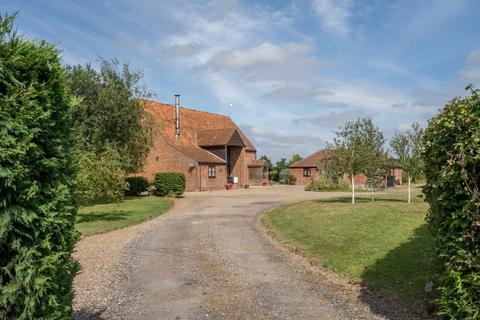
311 161
257 163
191 123
219 137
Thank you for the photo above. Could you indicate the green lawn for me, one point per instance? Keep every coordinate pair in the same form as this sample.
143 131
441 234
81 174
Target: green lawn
105 217
384 244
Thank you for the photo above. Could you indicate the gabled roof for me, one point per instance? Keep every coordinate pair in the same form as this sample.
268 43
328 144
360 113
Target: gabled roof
257 164
193 122
311 161
219 137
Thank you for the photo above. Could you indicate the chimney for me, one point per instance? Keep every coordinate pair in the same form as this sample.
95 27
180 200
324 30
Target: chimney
177 116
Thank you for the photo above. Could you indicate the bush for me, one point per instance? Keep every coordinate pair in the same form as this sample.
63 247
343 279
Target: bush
452 171
37 211
136 185
323 183
101 176
169 183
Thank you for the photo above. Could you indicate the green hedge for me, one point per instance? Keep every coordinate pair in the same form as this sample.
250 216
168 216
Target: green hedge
452 171
37 210
169 183
136 185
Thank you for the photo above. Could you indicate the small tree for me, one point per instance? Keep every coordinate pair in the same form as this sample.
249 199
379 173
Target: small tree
332 164
359 148
407 149
37 211
101 176
269 166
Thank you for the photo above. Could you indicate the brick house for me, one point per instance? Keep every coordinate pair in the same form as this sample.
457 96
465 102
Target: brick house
208 148
306 170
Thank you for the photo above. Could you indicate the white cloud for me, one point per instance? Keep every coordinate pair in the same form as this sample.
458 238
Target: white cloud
266 60
332 119
282 144
334 14
471 70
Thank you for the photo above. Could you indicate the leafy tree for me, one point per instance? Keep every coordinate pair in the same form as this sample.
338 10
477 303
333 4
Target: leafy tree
359 147
295 157
279 166
101 177
332 165
37 211
109 113
269 166
407 148
452 171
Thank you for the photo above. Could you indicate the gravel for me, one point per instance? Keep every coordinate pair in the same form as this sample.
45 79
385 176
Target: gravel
210 258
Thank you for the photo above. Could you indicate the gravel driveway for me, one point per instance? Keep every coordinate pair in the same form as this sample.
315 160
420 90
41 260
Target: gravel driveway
209 258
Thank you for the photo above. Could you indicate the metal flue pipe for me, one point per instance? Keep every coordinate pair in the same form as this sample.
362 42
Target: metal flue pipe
177 116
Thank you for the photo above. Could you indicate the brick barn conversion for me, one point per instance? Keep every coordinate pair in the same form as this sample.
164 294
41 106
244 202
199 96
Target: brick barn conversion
210 149
308 169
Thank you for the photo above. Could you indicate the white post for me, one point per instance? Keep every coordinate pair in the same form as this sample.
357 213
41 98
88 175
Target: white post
409 192
353 190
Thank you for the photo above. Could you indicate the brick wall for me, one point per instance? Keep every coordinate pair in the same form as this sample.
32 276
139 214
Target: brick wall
165 158
213 183
301 180
250 156
238 167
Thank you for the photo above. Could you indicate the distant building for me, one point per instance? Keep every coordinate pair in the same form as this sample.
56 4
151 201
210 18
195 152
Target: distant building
307 169
208 148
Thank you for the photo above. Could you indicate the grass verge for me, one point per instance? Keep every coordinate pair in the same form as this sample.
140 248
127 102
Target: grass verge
106 217
383 244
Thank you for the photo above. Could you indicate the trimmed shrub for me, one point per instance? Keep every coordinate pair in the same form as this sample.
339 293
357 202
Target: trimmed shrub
169 183
37 210
136 185
452 171
323 183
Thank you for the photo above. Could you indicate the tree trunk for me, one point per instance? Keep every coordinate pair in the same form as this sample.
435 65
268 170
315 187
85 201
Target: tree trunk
409 188
353 189
372 193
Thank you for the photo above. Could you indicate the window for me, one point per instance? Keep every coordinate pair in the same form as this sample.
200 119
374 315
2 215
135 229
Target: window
211 171
307 172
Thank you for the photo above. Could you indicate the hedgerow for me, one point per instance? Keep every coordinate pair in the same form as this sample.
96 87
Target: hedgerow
169 183
37 213
452 171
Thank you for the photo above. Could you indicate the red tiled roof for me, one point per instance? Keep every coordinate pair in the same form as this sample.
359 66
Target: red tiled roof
257 163
311 161
219 137
192 122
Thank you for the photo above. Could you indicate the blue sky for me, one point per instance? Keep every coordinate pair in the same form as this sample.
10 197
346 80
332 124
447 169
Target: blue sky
288 72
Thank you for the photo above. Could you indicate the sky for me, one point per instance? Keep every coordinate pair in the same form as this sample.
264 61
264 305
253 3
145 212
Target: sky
289 73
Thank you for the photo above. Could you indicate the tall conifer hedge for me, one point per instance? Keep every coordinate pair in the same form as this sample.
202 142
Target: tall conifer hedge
37 212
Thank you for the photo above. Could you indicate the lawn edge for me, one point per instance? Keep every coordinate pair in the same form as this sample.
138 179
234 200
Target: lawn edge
354 285
172 201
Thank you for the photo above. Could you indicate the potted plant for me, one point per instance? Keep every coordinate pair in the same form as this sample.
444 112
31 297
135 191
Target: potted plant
228 185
